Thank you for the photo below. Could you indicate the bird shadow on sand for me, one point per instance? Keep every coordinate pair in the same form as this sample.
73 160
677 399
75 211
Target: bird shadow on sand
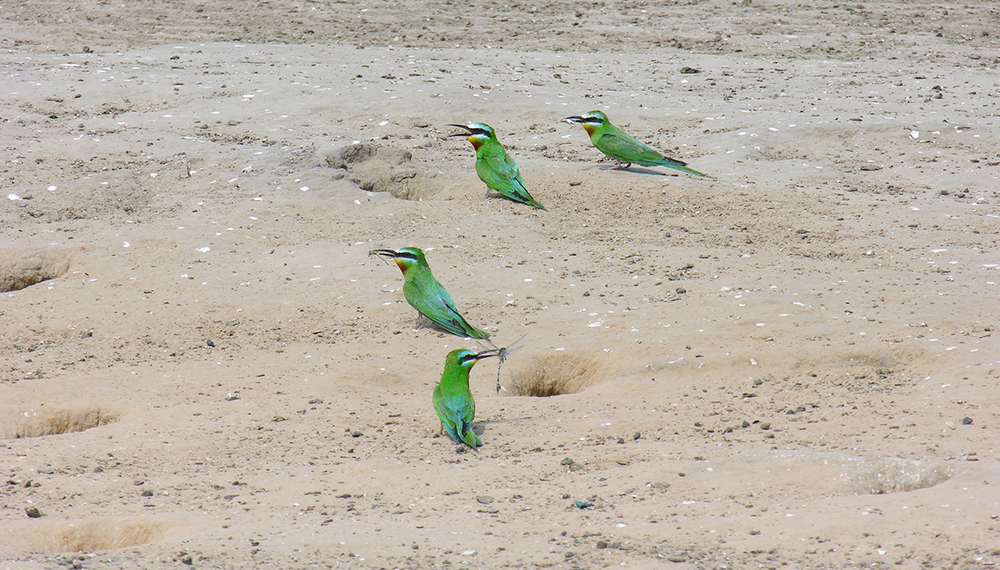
603 166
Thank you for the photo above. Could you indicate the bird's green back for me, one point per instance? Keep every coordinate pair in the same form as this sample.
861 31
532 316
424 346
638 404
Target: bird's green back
499 171
425 294
453 400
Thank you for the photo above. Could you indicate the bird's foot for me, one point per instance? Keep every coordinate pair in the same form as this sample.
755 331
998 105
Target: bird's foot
618 166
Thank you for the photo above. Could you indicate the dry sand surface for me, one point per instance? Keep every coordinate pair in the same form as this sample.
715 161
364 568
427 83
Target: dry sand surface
791 363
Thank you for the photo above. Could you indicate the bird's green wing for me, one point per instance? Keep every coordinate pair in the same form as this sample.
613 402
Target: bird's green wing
434 302
456 412
500 172
624 147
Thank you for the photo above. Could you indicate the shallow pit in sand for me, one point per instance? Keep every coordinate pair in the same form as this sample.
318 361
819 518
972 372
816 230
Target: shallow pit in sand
24 267
828 473
83 536
55 420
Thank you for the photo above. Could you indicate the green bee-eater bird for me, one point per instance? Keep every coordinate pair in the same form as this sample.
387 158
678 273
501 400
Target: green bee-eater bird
452 398
623 147
494 167
423 292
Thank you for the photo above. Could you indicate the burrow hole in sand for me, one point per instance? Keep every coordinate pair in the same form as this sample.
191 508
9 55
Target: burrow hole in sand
54 420
376 168
24 267
556 374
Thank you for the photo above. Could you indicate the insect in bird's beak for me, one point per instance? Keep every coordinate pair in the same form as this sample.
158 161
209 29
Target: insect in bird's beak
382 254
487 353
502 354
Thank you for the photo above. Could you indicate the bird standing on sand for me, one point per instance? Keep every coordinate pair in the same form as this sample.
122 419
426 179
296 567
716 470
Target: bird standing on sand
423 292
623 147
493 166
452 398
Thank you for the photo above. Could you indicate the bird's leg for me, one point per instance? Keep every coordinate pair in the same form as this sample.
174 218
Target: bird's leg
420 321
618 165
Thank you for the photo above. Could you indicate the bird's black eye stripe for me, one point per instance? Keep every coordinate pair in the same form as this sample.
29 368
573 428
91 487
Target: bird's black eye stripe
467 357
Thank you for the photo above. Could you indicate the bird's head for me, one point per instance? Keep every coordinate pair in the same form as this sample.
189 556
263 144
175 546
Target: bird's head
477 133
468 358
591 120
405 257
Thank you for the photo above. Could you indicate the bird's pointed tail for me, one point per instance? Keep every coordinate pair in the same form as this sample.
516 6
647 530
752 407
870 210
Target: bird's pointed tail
687 169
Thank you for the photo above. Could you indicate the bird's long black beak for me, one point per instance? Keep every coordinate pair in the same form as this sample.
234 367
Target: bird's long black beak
574 119
467 132
386 252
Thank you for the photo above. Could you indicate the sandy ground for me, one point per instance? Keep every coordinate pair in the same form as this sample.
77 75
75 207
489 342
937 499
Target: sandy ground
792 363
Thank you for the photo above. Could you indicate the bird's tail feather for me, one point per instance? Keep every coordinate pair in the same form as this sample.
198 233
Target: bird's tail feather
471 439
688 170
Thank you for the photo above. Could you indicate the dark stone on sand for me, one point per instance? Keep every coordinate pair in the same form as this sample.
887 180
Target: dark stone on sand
573 465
